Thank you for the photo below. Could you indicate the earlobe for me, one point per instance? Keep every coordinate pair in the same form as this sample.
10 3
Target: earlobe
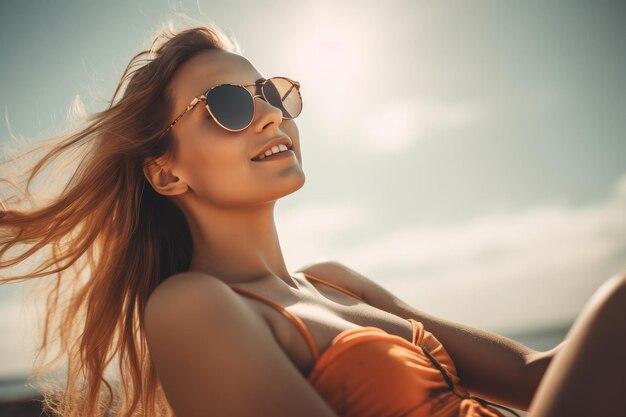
163 181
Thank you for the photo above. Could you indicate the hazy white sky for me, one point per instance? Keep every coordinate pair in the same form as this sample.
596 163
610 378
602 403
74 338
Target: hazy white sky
468 156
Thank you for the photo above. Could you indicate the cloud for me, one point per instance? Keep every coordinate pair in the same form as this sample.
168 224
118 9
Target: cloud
396 125
312 229
521 270
17 344
509 271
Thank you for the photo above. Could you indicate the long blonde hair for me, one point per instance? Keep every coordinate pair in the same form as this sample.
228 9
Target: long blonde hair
110 238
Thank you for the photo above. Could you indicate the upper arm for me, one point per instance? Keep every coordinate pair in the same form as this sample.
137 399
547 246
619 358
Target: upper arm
215 356
488 364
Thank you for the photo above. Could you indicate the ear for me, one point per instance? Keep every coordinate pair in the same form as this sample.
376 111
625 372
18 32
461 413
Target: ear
161 178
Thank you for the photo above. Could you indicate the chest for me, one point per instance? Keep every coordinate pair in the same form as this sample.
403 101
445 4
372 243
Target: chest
325 312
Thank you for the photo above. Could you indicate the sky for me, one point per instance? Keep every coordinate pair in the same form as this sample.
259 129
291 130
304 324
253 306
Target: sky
468 156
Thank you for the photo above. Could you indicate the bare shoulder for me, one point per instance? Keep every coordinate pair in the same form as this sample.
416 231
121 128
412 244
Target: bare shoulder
184 283
336 273
216 356
365 287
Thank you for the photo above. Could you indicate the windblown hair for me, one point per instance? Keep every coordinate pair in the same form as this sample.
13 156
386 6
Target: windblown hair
109 238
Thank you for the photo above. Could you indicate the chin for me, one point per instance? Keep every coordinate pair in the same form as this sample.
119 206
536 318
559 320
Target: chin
294 186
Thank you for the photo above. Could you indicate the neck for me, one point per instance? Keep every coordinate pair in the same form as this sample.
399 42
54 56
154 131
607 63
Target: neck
237 245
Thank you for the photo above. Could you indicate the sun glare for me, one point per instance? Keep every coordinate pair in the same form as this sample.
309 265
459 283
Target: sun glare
331 59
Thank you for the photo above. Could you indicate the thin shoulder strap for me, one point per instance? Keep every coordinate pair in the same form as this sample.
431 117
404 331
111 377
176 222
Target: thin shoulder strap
294 319
335 286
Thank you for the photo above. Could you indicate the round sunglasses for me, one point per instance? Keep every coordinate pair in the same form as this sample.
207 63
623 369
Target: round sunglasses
232 105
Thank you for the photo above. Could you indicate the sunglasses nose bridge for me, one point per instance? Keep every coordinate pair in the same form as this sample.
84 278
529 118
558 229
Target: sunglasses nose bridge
262 98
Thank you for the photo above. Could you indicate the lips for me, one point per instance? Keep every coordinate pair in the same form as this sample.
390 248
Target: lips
278 140
276 156
263 157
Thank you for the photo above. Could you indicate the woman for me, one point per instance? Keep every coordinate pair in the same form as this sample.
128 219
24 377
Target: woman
188 296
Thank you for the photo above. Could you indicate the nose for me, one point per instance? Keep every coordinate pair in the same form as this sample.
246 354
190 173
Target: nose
265 114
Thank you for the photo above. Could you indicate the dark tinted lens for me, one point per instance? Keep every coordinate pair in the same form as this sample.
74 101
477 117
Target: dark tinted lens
231 105
283 94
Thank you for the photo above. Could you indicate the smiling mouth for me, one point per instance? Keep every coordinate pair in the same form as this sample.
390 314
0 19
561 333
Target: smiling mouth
274 155
280 155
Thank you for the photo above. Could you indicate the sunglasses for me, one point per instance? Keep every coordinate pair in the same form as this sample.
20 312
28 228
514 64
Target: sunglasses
232 105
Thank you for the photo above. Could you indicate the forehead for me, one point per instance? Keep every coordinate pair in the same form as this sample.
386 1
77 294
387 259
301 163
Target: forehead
207 69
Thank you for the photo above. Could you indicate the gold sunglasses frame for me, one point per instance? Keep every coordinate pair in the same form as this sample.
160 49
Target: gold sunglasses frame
261 83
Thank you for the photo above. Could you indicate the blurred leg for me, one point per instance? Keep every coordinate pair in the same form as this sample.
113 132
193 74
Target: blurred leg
588 376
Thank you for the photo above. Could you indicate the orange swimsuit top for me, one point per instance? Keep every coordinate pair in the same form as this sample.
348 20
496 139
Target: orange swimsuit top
368 372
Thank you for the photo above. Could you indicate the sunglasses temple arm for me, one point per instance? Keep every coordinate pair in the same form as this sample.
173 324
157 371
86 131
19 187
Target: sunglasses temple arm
189 107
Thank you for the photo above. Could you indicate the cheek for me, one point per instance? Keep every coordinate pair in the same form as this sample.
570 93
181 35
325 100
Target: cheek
218 182
290 128
204 164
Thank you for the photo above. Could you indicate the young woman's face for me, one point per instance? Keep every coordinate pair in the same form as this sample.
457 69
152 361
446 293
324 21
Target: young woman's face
216 163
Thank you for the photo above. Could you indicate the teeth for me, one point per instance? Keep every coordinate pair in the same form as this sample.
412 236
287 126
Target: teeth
273 150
